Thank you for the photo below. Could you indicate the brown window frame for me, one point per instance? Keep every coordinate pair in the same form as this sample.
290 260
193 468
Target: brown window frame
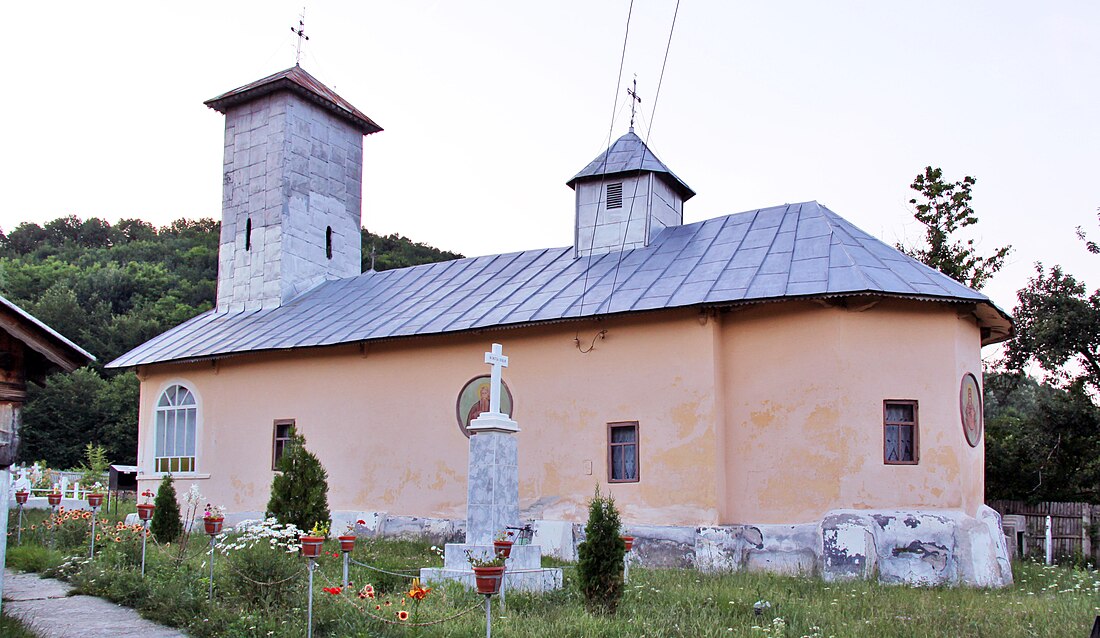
276 449
915 424
637 451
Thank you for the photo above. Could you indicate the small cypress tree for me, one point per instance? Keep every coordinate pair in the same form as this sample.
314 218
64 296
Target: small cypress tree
600 568
166 525
299 492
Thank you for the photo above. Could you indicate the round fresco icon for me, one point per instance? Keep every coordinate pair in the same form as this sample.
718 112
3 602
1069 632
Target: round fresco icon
474 399
970 409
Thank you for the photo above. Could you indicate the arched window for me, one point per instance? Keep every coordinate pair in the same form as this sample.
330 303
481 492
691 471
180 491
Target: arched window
176 422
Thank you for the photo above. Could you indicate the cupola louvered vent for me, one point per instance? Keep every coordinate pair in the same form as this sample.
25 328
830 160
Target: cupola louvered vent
615 195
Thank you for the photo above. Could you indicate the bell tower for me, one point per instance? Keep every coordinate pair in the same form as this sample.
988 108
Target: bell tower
291 190
625 197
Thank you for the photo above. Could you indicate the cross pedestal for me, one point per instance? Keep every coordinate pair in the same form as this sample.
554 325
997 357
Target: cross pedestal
492 499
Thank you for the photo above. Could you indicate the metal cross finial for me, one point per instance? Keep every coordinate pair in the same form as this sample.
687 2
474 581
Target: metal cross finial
634 98
301 33
372 255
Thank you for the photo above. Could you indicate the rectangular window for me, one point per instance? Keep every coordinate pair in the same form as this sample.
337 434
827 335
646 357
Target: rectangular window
622 452
284 430
615 195
899 433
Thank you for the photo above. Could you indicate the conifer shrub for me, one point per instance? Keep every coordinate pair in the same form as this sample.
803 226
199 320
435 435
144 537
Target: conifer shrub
600 564
166 526
299 491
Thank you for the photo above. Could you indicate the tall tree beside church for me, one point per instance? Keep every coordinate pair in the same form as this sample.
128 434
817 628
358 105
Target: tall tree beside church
1058 326
944 209
299 491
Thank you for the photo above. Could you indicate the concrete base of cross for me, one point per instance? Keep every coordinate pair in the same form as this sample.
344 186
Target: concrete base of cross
524 568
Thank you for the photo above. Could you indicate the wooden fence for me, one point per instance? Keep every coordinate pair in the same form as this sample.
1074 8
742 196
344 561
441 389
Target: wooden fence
1074 527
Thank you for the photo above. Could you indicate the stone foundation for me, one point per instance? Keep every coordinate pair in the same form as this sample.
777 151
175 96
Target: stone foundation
913 547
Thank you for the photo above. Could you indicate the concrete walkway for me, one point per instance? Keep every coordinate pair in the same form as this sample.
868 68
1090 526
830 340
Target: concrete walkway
43 605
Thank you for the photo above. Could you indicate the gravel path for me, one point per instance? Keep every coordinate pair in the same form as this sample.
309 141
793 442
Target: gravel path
44 606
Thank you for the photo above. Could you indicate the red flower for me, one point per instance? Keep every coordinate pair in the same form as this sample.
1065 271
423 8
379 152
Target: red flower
360 522
335 591
402 615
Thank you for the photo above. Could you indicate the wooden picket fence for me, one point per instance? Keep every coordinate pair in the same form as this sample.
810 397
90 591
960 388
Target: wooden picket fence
1073 527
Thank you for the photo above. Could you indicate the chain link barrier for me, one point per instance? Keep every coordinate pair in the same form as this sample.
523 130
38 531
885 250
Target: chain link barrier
404 623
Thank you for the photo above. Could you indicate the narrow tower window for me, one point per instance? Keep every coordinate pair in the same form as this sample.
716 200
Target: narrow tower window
615 195
328 242
248 234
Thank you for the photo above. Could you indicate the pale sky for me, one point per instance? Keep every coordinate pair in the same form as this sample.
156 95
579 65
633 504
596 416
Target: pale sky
490 107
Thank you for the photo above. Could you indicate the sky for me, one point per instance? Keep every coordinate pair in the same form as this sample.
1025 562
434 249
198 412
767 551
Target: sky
490 107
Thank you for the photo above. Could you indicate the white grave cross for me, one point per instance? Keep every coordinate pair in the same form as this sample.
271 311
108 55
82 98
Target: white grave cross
498 361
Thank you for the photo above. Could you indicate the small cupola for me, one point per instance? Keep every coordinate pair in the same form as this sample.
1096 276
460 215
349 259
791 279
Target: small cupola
625 197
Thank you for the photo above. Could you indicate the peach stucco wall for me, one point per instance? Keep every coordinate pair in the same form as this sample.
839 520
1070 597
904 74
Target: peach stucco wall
804 387
383 422
794 428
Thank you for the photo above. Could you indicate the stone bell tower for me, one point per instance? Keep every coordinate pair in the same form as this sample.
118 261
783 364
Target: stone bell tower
624 198
291 189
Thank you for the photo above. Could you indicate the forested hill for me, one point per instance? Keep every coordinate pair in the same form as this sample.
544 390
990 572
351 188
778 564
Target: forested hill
110 288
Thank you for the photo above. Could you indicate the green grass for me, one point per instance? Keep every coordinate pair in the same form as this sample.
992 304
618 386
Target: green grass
12 628
1044 601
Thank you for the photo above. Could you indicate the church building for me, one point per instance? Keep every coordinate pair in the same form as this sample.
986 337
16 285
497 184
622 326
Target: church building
773 389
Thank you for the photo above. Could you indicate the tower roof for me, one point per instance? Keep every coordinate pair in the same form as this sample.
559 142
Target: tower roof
297 81
629 155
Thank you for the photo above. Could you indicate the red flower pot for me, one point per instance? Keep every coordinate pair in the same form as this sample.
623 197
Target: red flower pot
503 548
95 500
629 540
347 543
21 497
54 499
311 545
488 579
145 511
213 524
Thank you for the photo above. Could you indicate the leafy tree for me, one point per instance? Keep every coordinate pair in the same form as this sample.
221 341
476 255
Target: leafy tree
166 525
95 465
944 208
1058 323
396 251
600 564
299 492
1042 442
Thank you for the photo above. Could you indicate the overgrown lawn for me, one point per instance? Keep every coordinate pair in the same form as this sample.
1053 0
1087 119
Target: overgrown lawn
260 592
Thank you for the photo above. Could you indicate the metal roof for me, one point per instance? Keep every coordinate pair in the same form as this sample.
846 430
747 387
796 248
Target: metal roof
67 355
770 254
296 80
627 155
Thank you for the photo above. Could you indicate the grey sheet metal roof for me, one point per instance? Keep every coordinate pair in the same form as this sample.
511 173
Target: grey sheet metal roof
791 251
629 154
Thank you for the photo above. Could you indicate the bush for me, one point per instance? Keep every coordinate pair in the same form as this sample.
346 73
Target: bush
32 558
299 492
600 564
262 557
166 526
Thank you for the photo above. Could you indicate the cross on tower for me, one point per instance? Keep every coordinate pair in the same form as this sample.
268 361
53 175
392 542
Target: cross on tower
634 98
301 33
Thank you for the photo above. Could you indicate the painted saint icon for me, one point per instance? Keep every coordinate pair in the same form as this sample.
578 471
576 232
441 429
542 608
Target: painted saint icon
970 409
474 399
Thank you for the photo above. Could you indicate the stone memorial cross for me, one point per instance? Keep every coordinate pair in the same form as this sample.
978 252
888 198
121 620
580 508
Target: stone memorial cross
498 361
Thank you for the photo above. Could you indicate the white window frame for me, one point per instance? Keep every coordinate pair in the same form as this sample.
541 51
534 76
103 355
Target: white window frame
153 466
